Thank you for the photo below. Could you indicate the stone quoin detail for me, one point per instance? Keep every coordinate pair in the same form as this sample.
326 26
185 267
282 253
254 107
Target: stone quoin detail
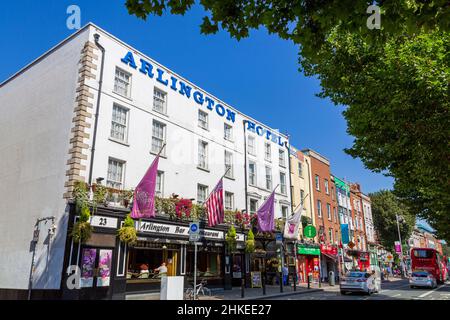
82 111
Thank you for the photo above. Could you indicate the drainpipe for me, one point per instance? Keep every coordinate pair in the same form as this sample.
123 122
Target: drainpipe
288 147
243 267
100 84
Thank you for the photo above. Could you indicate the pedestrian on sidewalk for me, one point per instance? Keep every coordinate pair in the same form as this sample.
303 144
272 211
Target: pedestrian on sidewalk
285 275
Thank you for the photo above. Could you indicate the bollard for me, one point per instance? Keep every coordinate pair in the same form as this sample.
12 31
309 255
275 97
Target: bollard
309 281
295 281
281 282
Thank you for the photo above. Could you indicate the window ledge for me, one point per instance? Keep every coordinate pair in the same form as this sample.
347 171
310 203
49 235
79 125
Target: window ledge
118 141
203 169
229 140
206 129
231 178
161 155
161 113
122 96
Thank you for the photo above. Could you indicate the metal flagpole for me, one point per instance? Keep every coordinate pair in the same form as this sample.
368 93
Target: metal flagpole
195 269
264 260
209 195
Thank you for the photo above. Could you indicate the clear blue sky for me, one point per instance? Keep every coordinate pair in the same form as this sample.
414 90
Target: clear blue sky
258 75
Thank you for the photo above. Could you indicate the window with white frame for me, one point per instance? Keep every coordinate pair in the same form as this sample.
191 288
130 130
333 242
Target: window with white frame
159 101
227 132
202 193
319 208
158 136
327 190
159 184
267 151
282 158
283 182
202 119
251 145
329 211
229 164
302 197
115 173
253 206
119 123
335 214
122 82
284 212
300 169
229 201
268 178
317 182
330 235
252 173
203 154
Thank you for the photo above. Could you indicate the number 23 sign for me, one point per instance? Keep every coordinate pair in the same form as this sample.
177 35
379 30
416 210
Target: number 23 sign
104 222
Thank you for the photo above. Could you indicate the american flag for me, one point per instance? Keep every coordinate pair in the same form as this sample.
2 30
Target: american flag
214 205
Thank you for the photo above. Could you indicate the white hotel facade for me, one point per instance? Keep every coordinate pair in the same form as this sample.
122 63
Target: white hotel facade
80 113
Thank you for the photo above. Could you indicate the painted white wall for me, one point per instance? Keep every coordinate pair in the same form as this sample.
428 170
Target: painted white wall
37 110
181 174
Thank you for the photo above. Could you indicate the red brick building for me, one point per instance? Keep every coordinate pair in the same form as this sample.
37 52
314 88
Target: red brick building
359 229
325 211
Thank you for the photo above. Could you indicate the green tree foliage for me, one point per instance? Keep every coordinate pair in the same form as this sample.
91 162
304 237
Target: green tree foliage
385 207
394 81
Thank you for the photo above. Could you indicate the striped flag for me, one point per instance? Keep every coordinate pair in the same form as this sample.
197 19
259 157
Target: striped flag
214 205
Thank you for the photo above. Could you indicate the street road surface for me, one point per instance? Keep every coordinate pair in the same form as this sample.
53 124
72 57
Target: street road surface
396 290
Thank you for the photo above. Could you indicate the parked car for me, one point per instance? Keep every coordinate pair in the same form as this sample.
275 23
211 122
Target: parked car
357 281
422 279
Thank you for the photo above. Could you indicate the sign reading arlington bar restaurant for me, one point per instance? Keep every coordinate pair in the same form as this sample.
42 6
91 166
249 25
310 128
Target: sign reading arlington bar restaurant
170 229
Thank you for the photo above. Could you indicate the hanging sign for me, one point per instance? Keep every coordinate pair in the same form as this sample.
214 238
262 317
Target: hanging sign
310 231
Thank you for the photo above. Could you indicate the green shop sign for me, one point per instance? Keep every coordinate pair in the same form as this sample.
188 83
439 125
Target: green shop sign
314 251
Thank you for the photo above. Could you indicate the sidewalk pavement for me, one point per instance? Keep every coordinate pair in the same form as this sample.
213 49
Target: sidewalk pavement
271 292
249 294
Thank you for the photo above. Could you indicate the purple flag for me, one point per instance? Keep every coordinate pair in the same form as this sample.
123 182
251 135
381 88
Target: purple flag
144 194
265 214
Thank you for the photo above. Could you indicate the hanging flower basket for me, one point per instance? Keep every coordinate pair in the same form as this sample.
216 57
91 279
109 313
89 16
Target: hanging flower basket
127 233
231 239
250 242
82 229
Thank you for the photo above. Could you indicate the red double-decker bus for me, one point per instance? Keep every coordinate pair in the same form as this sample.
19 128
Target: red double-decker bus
430 260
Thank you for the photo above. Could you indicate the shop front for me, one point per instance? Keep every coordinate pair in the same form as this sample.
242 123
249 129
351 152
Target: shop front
111 269
308 262
161 242
364 260
329 261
